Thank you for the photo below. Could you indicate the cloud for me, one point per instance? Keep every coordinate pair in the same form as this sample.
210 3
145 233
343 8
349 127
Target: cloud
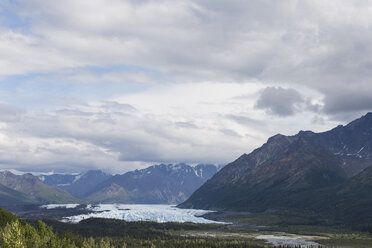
244 120
129 137
110 135
96 84
9 113
229 132
279 101
185 124
320 45
168 124
351 100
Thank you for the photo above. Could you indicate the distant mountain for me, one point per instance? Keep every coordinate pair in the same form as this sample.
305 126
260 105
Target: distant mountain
305 171
171 183
9 197
59 180
35 190
156 184
77 185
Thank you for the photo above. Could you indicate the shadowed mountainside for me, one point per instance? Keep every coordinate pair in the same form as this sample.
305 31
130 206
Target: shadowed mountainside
328 172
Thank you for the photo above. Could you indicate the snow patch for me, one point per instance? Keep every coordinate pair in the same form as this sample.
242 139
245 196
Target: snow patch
20 173
77 177
361 149
52 206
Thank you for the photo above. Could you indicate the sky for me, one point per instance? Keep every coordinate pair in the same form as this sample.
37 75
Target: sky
124 84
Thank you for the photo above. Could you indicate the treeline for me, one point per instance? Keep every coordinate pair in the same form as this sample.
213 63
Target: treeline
18 234
104 233
99 227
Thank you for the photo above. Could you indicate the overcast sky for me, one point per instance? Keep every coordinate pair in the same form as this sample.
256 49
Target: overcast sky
119 85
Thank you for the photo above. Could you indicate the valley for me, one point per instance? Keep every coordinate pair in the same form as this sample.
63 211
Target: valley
185 124
243 230
301 190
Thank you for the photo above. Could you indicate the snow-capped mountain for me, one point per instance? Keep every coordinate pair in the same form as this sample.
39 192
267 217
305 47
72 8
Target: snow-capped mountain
59 180
76 184
164 183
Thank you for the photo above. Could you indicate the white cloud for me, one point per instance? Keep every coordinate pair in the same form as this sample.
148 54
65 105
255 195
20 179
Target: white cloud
210 38
203 64
206 123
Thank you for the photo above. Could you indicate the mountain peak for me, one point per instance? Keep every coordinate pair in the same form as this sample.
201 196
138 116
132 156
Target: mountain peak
30 185
162 183
276 137
286 167
367 116
305 133
94 173
363 122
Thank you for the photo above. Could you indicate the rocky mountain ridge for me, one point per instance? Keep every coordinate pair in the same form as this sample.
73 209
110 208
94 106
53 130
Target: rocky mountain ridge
34 190
164 183
171 183
304 171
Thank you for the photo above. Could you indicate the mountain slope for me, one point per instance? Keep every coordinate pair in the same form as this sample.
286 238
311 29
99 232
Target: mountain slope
58 180
352 143
78 185
34 188
83 184
250 183
12 197
156 184
352 197
297 171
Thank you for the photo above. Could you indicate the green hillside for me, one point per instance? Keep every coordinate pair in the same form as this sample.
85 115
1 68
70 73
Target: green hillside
30 186
12 197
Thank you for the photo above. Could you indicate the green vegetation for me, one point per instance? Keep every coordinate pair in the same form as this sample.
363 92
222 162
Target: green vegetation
28 189
90 234
300 223
46 193
110 233
149 234
19 234
348 240
13 197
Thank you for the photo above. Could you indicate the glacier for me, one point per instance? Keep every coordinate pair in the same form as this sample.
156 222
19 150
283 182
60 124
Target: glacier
140 212
52 206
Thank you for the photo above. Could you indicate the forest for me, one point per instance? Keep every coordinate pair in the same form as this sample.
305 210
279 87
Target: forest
16 233
111 233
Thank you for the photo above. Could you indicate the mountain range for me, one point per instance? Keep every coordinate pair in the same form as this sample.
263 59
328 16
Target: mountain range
28 189
164 183
328 172
170 184
77 185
